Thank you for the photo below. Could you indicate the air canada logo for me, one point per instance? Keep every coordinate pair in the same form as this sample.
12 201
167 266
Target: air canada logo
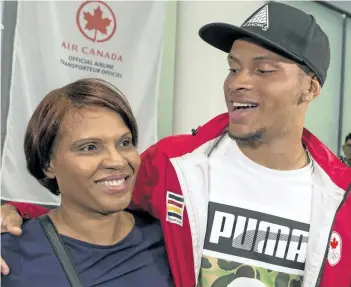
96 21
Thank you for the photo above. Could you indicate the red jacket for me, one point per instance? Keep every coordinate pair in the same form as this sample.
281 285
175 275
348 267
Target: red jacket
175 170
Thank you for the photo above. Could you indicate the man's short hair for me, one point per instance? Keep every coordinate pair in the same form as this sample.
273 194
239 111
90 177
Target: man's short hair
305 68
43 129
348 137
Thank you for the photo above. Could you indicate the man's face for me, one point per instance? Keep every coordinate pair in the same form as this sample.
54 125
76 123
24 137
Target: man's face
263 93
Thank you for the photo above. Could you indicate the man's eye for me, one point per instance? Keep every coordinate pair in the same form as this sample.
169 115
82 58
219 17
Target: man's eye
265 71
234 71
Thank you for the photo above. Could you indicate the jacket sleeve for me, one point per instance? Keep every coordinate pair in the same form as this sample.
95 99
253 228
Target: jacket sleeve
28 210
149 189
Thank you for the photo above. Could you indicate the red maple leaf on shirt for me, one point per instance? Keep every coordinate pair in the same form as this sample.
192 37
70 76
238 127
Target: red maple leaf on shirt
96 21
334 243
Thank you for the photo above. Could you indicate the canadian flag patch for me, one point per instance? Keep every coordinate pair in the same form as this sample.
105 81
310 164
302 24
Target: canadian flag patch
334 253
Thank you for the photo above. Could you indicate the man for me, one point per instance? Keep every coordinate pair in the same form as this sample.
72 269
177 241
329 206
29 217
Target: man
346 148
251 198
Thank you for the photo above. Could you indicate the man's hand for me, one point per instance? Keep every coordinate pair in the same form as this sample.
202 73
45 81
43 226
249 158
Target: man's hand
11 222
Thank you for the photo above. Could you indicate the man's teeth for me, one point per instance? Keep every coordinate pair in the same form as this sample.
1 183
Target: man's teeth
243 105
112 182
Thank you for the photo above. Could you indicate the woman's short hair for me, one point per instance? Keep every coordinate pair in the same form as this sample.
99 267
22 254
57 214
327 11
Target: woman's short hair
44 126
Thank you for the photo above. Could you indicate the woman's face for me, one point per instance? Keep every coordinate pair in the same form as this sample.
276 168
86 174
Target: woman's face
95 162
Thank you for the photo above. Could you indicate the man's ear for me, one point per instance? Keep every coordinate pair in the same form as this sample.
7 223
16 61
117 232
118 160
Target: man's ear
313 89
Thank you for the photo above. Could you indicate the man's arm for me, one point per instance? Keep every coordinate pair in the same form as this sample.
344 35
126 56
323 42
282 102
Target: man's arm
150 182
28 210
13 213
150 188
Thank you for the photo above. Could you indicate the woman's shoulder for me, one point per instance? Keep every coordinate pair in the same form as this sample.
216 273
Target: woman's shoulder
144 219
32 240
148 225
27 254
14 249
31 231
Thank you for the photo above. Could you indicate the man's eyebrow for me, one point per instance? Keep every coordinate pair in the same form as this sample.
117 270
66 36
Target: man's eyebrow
267 57
231 57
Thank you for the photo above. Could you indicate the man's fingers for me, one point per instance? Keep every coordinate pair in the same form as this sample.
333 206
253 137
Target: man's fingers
14 230
4 268
11 222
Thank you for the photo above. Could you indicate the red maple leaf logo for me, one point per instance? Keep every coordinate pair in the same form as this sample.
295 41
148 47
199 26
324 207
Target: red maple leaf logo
96 22
334 243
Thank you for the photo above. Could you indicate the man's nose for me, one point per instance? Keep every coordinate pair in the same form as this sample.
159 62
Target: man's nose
241 81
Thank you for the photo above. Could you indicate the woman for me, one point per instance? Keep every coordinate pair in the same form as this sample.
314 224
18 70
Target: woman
81 143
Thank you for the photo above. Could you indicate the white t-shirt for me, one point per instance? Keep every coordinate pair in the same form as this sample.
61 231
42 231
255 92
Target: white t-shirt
258 222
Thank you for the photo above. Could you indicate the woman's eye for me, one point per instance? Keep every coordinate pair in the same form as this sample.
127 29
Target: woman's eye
88 147
126 143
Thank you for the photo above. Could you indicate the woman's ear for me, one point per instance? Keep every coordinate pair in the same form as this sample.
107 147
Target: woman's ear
49 171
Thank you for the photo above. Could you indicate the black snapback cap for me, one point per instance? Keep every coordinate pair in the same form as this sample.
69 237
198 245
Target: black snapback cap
281 28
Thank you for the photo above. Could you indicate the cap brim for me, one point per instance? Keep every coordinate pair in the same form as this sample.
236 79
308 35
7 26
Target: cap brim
222 36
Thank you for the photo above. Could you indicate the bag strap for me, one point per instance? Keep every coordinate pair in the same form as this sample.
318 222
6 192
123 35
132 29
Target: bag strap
60 250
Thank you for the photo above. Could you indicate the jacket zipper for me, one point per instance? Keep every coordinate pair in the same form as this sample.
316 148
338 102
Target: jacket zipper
331 229
179 168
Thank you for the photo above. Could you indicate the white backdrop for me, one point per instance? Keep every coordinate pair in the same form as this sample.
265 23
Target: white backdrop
59 42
